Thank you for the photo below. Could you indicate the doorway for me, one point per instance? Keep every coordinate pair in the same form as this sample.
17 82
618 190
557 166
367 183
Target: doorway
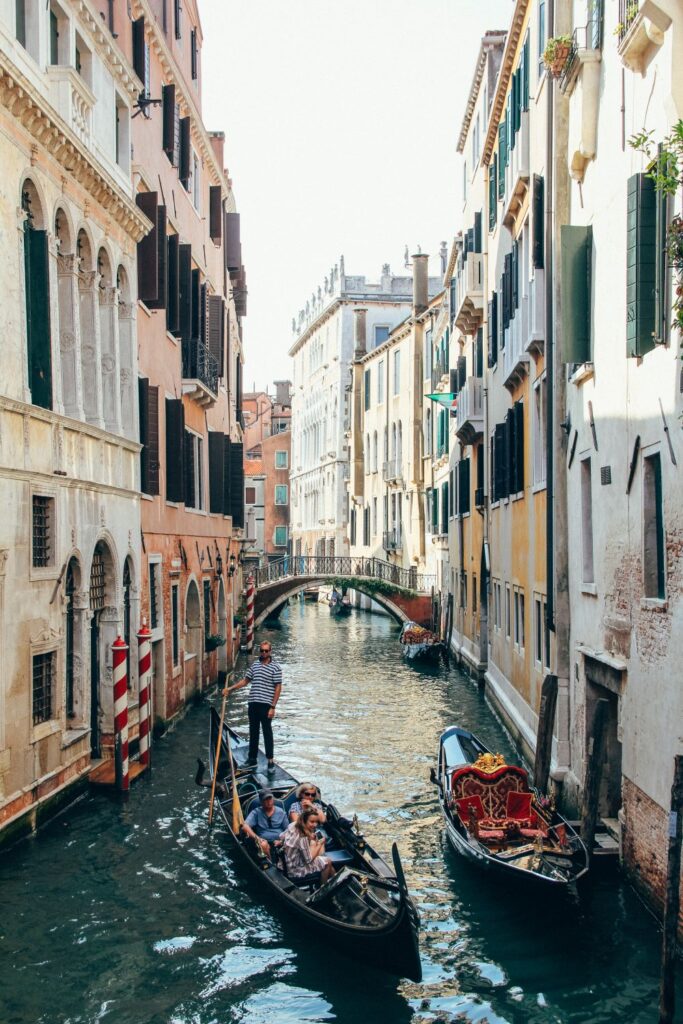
610 796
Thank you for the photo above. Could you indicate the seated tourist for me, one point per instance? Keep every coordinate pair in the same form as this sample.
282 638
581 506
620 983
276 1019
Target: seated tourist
304 847
306 794
265 824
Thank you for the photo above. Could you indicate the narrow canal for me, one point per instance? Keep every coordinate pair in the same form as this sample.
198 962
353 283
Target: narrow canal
135 914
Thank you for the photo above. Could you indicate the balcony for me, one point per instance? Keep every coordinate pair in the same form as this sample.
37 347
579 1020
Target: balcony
392 540
641 32
536 337
72 98
469 312
200 373
517 173
515 356
479 497
469 423
441 369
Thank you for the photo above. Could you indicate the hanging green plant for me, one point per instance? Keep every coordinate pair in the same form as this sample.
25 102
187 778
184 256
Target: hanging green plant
212 641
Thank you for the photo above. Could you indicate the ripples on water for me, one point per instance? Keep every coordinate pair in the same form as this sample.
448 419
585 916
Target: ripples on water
135 913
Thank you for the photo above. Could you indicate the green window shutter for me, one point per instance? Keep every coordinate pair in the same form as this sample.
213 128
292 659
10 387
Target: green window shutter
576 245
641 235
493 193
527 60
38 317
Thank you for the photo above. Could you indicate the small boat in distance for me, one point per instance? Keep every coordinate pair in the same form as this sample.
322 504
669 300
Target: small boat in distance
311 594
420 644
494 818
364 908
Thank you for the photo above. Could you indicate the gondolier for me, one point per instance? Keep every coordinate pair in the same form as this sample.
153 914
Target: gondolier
265 676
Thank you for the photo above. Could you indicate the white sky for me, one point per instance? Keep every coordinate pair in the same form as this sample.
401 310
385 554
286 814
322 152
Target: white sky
341 121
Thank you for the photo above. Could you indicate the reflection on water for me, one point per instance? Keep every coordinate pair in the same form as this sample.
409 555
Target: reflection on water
137 914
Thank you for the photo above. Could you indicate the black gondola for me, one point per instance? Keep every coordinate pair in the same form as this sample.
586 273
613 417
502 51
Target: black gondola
364 908
494 818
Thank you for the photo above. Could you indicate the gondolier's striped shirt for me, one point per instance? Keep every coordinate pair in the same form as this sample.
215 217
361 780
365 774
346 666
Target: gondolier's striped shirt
263 679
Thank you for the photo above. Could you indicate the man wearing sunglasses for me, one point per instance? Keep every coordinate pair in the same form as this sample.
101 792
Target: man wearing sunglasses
265 676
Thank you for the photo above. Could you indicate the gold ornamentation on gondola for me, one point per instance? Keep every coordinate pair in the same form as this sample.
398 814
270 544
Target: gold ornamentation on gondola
489 763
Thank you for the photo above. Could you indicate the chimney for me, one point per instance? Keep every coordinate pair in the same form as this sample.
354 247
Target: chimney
420 282
217 140
443 253
360 333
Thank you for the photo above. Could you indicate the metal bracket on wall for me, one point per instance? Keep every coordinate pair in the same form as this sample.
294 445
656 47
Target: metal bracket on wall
668 435
592 423
572 450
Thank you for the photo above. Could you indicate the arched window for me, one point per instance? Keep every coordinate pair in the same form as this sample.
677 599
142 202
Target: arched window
193 634
37 297
374 452
109 358
88 299
386 445
428 433
393 443
399 447
366 453
70 591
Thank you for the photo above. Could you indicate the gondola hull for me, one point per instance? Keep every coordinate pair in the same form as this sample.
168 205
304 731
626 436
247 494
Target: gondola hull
540 863
392 943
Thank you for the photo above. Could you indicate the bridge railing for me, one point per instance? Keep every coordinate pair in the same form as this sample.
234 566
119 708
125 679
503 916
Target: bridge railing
343 565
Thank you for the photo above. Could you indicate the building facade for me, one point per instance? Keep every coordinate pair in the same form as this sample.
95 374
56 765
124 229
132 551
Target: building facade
267 451
70 553
322 354
191 301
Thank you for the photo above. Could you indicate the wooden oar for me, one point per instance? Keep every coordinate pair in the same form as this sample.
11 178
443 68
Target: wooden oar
237 816
217 757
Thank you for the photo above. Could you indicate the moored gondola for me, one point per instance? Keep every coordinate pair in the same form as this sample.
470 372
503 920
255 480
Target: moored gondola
497 821
364 908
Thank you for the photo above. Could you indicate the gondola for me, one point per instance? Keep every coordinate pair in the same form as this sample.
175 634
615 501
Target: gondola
497 821
340 609
420 644
364 908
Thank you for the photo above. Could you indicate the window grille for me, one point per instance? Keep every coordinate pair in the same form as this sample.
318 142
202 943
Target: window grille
43 686
97 582
42 531
153 596
70 591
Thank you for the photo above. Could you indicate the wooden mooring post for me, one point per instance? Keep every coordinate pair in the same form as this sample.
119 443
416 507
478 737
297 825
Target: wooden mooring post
672 899
544 737
591 788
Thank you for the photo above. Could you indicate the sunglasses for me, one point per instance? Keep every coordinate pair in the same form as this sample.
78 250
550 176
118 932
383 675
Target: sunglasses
308 792
264 650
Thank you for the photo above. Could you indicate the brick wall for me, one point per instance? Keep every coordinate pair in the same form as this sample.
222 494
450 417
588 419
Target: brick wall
645 848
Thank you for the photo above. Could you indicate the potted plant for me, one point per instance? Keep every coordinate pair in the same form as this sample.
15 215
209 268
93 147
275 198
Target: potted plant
556 54
212 641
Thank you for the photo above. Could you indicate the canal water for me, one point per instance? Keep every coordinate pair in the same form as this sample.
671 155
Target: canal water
137 914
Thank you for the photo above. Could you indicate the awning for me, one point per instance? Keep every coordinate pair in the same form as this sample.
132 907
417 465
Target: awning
445 398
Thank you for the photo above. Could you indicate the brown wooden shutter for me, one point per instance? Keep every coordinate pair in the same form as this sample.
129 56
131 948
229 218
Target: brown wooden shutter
149 436
227 476
162 255
175 448
185 152
216 470
215 213
196 331
233 247
215 340
148 250
193 53
169 111
188 470
238 389
185 292
237 483
173 284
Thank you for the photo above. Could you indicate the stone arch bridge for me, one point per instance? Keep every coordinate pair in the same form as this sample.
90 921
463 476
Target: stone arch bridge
404 593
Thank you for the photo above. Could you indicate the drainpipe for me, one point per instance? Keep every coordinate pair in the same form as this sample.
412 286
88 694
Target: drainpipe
549 341
420 303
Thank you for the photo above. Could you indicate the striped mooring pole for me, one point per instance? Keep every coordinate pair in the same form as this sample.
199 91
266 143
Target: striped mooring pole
250 614
120 650
145 678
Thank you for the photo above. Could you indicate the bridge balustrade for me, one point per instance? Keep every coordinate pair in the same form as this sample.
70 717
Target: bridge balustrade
343 565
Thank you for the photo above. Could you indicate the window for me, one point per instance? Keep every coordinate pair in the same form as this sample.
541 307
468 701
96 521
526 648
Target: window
474 595
507 611
367 383
463 590
37 300
20 21
464 182
375 446
122 134
654 577
207 607
177 18
250 495
538 630
194 471
587 522
539 432
70 589
281 460
380 382
428 432
196 183
541 36
280 536
397 372
44 670
366 525
175 622
374 516
427 356
519 618
194 55
381 334
155 617
576 244
43 553
647 274
281 495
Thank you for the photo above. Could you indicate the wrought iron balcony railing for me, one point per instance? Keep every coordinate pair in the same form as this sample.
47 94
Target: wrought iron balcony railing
200 365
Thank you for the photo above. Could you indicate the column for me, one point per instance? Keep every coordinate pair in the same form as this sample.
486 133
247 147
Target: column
90 346
128 377
109 358
70 335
